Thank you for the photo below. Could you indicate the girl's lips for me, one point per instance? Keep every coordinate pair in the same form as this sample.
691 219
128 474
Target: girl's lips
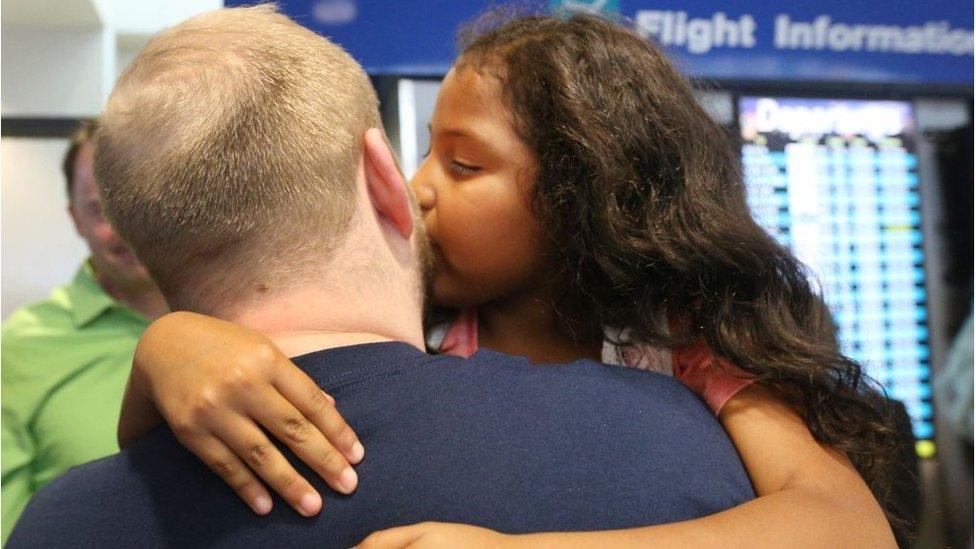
437 257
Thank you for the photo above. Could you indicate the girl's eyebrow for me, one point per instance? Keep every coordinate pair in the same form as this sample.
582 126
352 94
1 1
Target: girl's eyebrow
450 132
459 132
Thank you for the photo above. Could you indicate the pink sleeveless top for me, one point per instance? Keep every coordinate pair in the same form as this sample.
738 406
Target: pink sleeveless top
711 377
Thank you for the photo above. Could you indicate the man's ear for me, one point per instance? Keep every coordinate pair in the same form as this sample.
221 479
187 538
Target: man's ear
385 184
74 217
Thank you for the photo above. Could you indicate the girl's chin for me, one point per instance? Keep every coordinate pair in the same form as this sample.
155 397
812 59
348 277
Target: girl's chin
447 294
445 289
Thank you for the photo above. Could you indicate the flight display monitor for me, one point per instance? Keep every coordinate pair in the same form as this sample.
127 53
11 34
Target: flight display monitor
837 181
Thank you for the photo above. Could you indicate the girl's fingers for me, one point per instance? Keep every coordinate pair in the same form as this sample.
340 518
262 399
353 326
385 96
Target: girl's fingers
320 409
290 426
251 445
222 461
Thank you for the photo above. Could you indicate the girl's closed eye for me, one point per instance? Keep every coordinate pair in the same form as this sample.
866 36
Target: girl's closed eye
463 169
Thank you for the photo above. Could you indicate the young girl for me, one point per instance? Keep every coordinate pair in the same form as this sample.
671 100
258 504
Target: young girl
581 205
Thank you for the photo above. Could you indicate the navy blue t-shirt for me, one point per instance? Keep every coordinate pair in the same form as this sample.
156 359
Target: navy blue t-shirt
490 440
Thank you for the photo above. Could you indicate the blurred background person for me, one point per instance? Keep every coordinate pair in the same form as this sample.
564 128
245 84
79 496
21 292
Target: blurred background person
954 387
65 360
954 405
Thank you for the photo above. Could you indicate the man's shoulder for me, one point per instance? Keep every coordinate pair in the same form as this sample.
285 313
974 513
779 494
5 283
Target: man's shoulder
584 395
62 511
589 374
82 506
645 427
47 317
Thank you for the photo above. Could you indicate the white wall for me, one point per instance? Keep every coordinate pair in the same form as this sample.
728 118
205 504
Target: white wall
39 248
59 59
51 73
132 24
147 17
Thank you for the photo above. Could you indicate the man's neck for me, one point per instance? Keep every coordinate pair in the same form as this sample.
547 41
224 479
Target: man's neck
303 320
144 299
293 344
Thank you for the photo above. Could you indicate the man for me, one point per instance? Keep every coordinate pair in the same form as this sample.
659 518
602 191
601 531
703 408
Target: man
240 156
66 359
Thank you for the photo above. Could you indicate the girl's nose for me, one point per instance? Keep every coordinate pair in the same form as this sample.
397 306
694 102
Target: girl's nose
426 197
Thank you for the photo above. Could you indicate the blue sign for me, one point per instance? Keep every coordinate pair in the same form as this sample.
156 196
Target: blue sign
897 41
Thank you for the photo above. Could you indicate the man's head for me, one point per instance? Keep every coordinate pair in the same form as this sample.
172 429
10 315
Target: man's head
239 156
114 263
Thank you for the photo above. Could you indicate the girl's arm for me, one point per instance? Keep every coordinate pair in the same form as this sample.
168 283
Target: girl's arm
809 496
219 386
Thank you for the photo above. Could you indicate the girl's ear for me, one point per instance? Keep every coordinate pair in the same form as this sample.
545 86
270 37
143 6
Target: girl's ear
385 184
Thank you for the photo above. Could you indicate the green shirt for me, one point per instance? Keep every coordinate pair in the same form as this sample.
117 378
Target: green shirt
65 363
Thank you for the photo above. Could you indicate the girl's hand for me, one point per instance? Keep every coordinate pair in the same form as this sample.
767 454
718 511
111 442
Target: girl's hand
218 385
437 534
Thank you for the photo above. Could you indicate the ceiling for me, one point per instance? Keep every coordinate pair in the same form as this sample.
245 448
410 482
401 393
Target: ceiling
50 13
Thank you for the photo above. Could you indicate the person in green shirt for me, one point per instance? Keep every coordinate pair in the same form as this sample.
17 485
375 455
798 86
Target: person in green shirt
66 360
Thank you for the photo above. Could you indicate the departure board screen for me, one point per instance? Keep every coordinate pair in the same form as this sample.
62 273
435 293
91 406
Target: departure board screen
837 181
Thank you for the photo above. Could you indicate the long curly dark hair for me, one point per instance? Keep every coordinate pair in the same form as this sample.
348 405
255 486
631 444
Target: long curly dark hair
643 202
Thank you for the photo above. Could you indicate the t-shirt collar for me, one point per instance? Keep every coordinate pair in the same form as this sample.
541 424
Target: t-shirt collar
339 366
88 299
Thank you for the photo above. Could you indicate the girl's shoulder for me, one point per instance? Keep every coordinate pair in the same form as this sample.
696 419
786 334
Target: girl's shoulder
618 350
711 377
454 333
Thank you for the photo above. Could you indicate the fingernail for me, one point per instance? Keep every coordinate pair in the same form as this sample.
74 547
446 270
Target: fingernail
310 504
357 452
262 505
348 480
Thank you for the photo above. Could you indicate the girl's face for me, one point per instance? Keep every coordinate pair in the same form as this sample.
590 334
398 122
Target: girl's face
474 188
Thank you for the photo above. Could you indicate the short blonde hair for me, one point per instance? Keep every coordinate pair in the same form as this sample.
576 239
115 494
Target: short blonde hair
228 152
